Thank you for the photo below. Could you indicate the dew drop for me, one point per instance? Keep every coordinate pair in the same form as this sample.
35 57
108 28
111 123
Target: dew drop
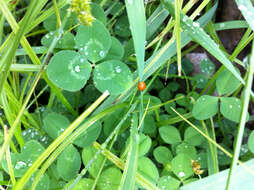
181 174
77 68
130 1
230 106
118 69
102 53
20 165
196 24
222 25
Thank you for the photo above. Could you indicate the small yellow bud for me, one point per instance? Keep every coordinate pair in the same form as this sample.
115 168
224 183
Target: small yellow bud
83 11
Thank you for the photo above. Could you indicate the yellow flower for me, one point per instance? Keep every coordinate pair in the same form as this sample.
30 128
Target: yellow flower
83 11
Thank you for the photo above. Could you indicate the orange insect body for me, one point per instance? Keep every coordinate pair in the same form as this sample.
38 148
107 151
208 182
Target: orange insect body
142 86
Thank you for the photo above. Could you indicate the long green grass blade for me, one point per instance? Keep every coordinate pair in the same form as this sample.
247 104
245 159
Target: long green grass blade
200 36
137 20
247 10
155 20
245 99
177 33
129 174
9 53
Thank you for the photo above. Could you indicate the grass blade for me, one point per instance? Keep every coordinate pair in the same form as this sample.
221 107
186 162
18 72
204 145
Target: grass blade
128 179
247 10
200 36
137 20
177 33
155 21
245 99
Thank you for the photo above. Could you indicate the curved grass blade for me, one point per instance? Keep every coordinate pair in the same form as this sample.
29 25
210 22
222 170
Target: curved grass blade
245 99
155 20
130 168
137 20
200 36
21 183
247 10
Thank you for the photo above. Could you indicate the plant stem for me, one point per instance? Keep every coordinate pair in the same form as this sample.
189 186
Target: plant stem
245 99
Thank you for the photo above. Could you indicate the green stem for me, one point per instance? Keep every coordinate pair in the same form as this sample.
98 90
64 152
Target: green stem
245 99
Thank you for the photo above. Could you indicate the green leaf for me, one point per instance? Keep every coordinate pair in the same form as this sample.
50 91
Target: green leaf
93 42
129 174
122 27
168 183
200 81
200 36
110 179
150 126
230 108
69 70
148 170
21 162
33 134
54 124
98 12
88 154
246 8
145 143
162 155
43 183
181 166
113 76
84 182
116 50
207 67
251 142
183 101
226 83
170 134
89 136
137 20
165 94
185 148
68 163
193 137
205 107
65 42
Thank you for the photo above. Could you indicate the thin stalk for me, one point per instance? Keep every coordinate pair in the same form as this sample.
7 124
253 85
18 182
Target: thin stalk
177 33
8 158
245 99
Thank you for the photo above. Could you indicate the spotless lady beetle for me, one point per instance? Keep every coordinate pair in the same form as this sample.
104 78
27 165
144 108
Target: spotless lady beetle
141 86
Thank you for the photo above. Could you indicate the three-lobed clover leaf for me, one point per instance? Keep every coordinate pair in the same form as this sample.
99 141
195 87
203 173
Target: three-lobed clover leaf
113 76
93 42
69 70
